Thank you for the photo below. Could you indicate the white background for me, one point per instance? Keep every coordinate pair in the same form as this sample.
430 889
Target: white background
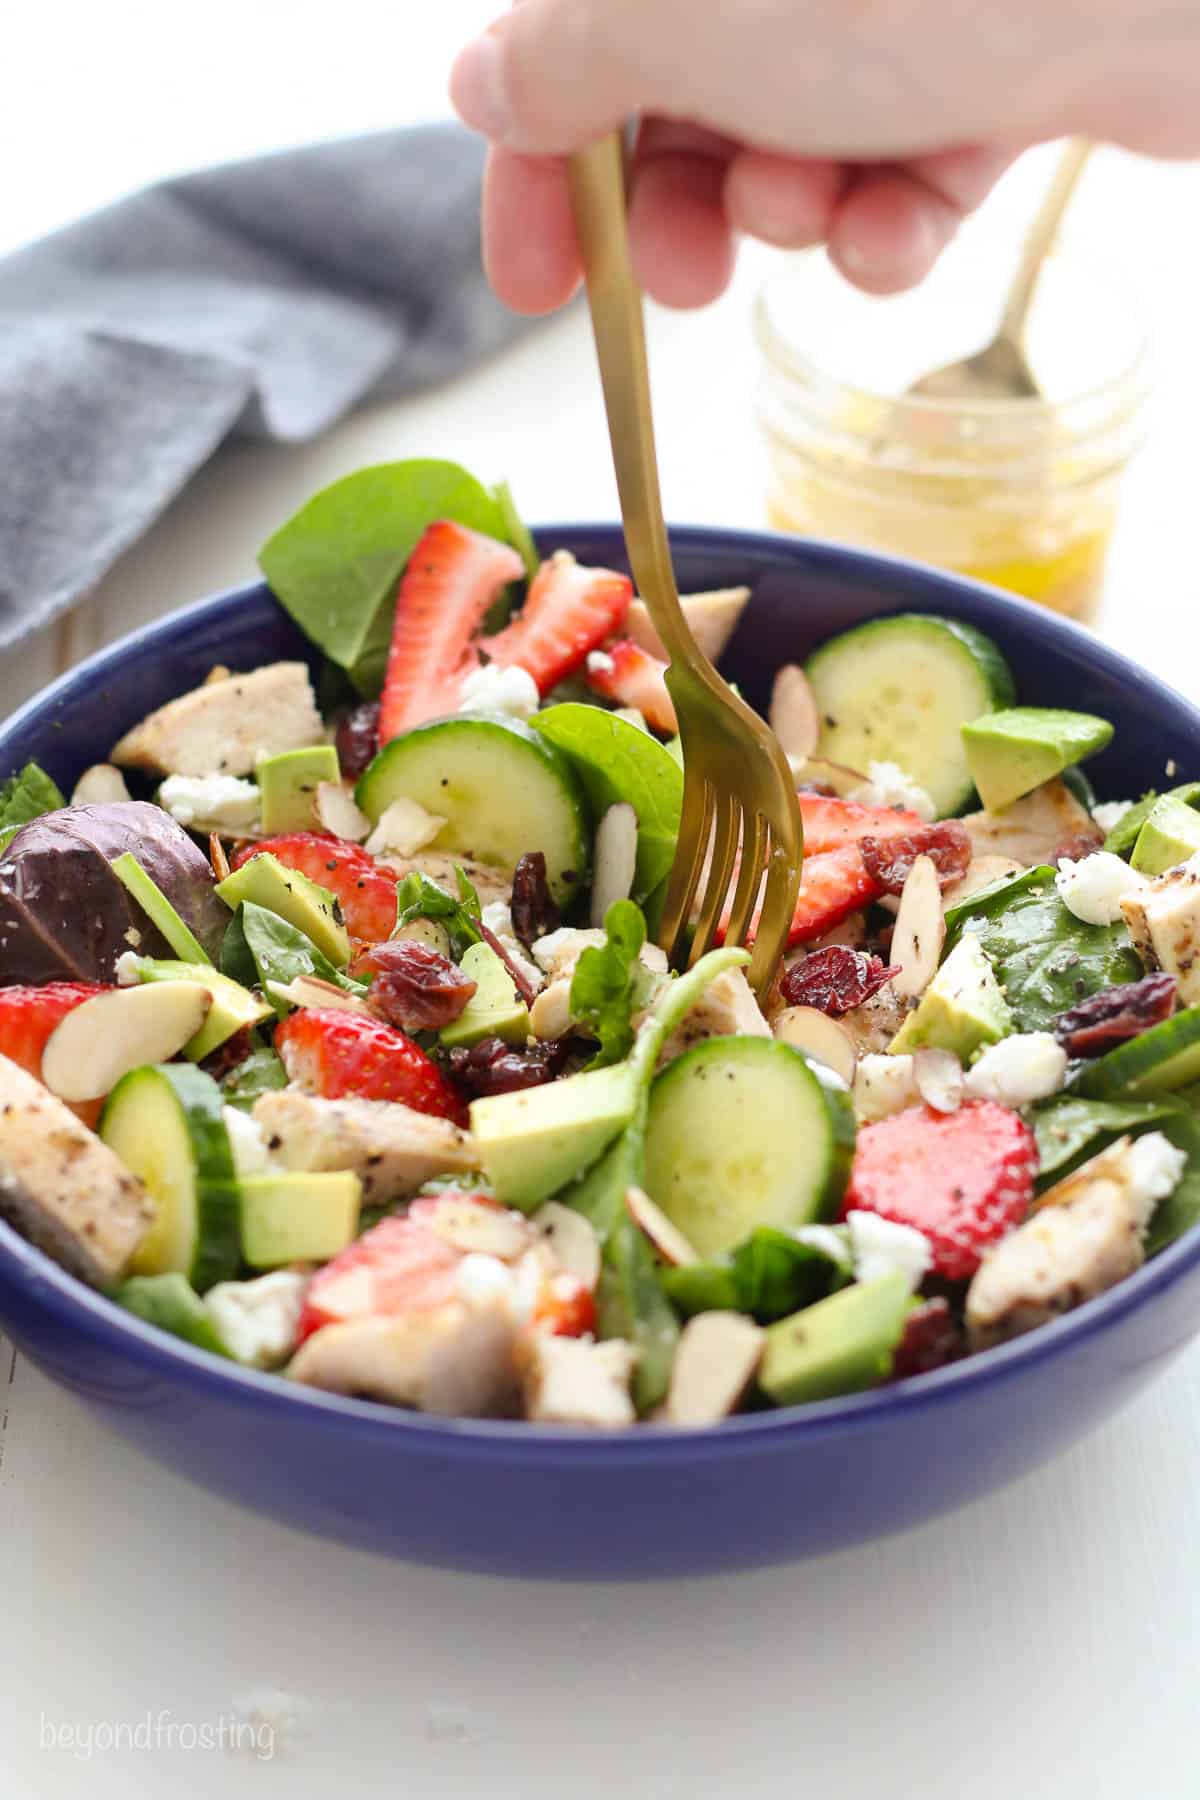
1044 1641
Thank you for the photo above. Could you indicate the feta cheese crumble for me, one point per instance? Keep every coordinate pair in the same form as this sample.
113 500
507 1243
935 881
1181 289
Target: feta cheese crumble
511 691
599 662
888 785
1109 813
1094 888
1018 1070
884 1085
880 1247
1153 1170
247 1141
258 1320
497 916
213 799
404 828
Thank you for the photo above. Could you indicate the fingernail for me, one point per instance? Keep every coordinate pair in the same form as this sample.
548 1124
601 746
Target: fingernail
477 89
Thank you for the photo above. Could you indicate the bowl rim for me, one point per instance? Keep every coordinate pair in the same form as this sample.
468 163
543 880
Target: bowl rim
49 1287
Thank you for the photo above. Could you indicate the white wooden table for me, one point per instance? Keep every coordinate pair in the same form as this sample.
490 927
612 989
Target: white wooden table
1043 1641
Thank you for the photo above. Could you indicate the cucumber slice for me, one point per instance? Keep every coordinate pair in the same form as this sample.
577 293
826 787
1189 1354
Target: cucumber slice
502 789
166 1124
900 690
1162 1059
742 1133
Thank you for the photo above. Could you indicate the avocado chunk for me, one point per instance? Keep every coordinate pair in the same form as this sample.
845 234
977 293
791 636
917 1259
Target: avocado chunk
1012 752
495 1009
962 1008
533 1142
158 909
172 1303
1170 836
298 1217
233 1009
839 1346
291 896
288 785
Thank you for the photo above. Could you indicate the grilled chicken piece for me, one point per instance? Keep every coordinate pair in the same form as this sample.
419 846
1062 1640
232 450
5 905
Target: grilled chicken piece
62 1188
453 1359
1164 923
572 1381
392 1148
1046 824
223 727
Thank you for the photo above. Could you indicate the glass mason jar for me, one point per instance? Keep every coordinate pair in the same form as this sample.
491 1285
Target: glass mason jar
1019 493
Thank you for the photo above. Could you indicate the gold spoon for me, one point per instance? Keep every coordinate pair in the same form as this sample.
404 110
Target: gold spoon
1001 371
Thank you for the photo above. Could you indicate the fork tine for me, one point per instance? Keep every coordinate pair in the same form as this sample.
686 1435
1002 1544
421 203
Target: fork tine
724 848
754 844
775 919
695 827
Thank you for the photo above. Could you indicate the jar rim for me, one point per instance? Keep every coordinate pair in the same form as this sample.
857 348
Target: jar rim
804 368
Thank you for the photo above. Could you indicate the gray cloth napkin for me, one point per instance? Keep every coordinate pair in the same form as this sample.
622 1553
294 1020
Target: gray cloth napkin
265 298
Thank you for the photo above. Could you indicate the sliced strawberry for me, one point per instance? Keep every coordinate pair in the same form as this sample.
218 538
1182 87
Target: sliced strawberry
565 1307
339 1054
569 611
632 677
28 1015
829 824
452 578
400 1265
363 888
964 1178
833 885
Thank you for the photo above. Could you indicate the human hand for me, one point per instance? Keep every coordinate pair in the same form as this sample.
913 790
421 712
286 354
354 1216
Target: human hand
868 125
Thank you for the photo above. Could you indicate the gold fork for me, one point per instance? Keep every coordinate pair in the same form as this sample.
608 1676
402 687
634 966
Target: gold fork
738 790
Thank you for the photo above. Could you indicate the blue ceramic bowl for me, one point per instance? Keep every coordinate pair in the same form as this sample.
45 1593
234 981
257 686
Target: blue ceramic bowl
534 1501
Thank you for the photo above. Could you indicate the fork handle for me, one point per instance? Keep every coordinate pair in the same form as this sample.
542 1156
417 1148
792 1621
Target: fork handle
597 184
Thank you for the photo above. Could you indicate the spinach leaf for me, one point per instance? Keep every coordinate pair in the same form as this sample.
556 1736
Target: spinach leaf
1180 1210
615 761
1070 1131
236 960
261 1073
516 530
1124 834
1045 959
417 897
631 1302
279 952
609 983
335 564
771 1275
27 795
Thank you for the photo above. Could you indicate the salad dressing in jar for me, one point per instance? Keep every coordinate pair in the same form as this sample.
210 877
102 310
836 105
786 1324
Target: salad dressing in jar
1019 493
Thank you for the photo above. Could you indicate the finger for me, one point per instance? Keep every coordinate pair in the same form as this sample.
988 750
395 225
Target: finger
529 248
893 223
683 250
780 200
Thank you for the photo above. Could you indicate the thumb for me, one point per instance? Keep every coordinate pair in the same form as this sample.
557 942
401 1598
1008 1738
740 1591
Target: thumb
552 75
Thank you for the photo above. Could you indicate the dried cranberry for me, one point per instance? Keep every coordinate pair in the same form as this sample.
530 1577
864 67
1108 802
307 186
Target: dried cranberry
229 1055
533 911
1079 846
412 986
931 1340
494 1067
889 860
357 738
1114 1016
834 980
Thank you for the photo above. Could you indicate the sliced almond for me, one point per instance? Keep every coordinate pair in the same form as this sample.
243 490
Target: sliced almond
404 828
87 1054
980 873
101 785
217 857
939 1078
615 859
816 771
571 1239
793 713
667 1239
920 931
808 1029
712 619
338 812
313 991
425 931
715 1361
216 674
486 1230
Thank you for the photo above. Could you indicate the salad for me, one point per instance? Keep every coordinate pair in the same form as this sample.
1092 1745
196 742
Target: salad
335 1041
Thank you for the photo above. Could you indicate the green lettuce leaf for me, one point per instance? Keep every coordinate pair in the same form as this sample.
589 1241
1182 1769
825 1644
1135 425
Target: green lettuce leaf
610 983
335 564
25 796
771 1275
1045 959
417 897
260 947
1070 1131
261 1073
617 762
